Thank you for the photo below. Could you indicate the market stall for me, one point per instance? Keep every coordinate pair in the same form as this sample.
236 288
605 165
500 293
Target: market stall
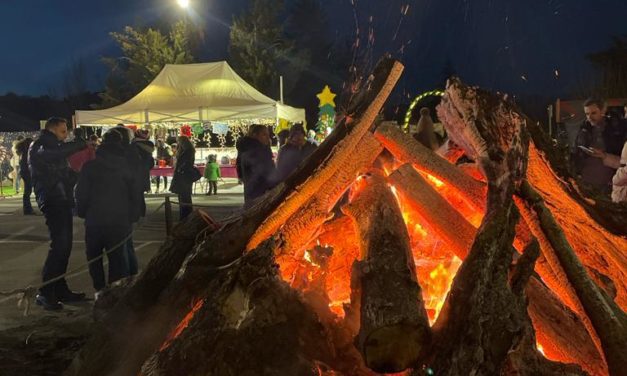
194 93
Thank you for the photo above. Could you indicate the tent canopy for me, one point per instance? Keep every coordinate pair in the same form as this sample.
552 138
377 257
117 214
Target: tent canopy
194 93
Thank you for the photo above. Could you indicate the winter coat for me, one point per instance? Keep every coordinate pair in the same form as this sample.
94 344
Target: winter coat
77 160
290 156
105 193
144 149
619 181
212 171
165 152
53 180
256 166
181 182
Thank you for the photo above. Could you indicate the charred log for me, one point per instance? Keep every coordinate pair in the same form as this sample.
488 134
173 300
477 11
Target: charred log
251 323
383 82
302 226
394 330
558 327
609 321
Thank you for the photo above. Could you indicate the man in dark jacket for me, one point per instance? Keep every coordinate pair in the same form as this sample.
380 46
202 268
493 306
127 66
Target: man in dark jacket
105 196
21 148
255 164
53 181
599 136
134 165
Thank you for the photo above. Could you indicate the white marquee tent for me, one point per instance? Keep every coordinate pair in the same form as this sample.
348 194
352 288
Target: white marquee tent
194 93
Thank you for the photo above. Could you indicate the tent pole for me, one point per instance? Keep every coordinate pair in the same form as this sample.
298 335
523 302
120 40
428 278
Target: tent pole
281 88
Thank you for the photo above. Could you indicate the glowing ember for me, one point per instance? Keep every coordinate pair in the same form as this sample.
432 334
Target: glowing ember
540 349
436 182
437 285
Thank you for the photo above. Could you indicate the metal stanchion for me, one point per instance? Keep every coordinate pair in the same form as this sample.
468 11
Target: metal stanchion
168 216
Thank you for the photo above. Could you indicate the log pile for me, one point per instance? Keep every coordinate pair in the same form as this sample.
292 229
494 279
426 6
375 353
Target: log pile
313 282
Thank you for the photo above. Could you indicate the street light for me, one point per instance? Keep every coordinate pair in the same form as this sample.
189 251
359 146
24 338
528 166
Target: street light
183 3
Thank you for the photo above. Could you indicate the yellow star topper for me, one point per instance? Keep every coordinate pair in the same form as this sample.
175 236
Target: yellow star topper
326 96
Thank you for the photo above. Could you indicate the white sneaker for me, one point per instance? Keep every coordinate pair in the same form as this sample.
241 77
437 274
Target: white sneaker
97 295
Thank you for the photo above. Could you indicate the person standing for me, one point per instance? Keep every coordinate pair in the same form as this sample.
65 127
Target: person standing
619 181
77 160
133 164
598 145
425 132
21 149
212 174
293 152
185 174
53 181
144 148
255 165
15 164
105 196
164 153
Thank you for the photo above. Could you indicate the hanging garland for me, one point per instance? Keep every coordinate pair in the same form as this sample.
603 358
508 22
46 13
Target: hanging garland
414 103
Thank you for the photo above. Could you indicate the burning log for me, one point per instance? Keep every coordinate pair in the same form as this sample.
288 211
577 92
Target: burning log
394 330
556 324
443 220
482 317
252 322
595 246
387 74
301 227
408 150
609 321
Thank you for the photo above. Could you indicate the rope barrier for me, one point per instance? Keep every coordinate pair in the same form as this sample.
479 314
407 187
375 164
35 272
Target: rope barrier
26 295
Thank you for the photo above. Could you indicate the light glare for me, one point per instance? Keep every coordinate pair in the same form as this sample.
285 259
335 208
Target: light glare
183 3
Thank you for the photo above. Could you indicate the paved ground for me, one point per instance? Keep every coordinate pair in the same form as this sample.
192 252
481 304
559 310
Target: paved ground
24 245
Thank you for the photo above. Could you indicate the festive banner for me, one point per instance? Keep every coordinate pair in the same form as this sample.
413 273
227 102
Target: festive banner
220 128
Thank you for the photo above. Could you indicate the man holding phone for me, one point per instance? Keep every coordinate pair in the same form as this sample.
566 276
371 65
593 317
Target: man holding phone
598 145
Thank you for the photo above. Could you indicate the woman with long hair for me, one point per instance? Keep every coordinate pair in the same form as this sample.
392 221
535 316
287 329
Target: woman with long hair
185 174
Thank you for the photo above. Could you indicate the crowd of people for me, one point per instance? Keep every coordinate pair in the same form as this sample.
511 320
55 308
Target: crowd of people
600 152
255 163
102 183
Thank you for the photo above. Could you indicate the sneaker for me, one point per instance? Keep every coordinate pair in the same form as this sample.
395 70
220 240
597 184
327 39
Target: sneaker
98 294
49 304
71 297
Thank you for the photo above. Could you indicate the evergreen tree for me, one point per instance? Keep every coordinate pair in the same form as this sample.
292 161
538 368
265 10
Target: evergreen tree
145 53
257 45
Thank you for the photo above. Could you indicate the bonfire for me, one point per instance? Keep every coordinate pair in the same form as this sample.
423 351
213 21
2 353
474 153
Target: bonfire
379 256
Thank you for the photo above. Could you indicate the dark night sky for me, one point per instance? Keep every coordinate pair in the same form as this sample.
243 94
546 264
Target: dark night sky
493 43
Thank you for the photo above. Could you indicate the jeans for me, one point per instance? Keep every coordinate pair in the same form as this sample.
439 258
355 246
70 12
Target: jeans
60 229
28 190
103 238
185 205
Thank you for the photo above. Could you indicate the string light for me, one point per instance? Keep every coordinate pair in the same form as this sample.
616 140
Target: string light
414 103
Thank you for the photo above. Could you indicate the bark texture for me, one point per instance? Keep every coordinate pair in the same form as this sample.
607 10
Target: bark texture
394 330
